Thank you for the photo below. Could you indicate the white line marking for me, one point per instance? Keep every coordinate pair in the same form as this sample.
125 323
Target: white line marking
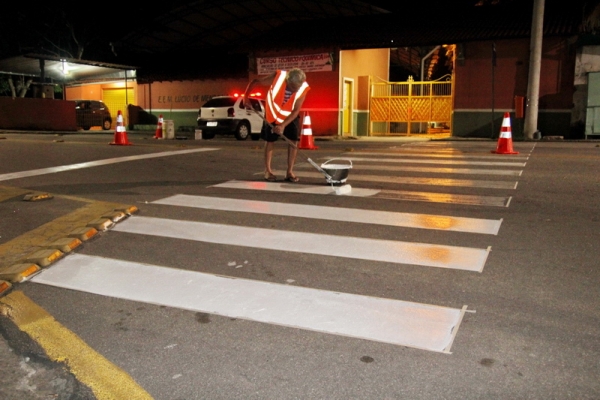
439 162
402 195
429 255
448 198
430 155
294 188
396 322
410 180
408 220
62 168
458 171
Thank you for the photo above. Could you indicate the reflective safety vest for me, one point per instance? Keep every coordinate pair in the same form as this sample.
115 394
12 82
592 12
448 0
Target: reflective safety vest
276 112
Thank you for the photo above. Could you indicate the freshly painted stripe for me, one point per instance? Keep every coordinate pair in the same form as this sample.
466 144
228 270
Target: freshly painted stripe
428 155
293 188
429 255
407 220
448 198
402 195
396 322
437 162
410 180
434 170
71 167
105 379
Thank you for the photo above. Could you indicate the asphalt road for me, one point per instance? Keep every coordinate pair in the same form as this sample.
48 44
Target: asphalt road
529 323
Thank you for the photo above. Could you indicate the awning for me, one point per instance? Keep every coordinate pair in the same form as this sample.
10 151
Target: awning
65 70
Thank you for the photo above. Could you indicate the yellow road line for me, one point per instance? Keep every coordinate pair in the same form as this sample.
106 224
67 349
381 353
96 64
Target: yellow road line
105 379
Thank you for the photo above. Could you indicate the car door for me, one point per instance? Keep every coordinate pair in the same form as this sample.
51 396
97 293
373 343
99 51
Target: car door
83 112
255 119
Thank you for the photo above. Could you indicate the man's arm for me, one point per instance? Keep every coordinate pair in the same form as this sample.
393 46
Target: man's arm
264 81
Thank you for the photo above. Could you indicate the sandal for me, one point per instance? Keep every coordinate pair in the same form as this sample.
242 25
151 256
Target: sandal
270 177
292 178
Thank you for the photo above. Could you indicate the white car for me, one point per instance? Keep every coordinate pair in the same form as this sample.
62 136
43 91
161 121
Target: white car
227 115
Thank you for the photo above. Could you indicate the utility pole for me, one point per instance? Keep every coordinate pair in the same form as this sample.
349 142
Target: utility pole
535 64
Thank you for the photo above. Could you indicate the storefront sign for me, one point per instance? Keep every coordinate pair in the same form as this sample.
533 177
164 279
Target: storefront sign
308 63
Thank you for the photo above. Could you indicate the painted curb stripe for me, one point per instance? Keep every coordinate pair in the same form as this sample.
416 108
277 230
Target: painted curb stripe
105 379
430 255
421 326
408 220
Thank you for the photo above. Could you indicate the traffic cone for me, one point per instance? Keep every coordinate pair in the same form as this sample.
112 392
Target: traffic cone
306 138
505 145
120 133
159 128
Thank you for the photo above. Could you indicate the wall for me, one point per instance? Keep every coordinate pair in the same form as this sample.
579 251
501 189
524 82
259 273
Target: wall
475 95
322 101
180 100
357 65
37 114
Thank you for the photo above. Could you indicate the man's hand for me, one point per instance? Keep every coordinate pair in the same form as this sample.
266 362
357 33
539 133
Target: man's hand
278 129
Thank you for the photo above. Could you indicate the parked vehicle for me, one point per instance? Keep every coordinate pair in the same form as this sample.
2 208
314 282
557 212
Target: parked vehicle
227 115
90 113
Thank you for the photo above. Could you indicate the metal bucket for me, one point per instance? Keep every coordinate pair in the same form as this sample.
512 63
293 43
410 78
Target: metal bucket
337 172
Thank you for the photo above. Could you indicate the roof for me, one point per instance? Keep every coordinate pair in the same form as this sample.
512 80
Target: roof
208 39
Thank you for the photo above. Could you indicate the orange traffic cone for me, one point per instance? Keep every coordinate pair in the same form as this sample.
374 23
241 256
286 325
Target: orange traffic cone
159 128
505 145
306 138
120 132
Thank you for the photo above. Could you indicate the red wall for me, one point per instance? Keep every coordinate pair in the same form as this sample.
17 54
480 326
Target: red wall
37 114
473 76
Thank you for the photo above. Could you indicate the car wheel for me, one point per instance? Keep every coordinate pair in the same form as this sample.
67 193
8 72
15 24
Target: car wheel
86 128
106 124
242 131
255 136
206 135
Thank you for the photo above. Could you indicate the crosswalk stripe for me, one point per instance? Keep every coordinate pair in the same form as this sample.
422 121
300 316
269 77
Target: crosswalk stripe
293 188
429 155
410 180
430 255
401 195
434 170
89 164
407 220
447 198
440 162
396 322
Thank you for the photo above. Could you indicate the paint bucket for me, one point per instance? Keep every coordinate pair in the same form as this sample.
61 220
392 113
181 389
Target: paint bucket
337 172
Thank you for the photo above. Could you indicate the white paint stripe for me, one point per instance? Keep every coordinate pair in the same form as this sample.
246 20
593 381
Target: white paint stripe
489 184
458 171
402 195
396 322
440 162
428 155
429 255
62 168
293 188
447 198
407 220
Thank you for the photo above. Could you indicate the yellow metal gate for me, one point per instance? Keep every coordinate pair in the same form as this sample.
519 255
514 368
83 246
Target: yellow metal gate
411 107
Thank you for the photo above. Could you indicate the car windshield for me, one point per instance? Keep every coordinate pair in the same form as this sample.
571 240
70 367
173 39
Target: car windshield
220 102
